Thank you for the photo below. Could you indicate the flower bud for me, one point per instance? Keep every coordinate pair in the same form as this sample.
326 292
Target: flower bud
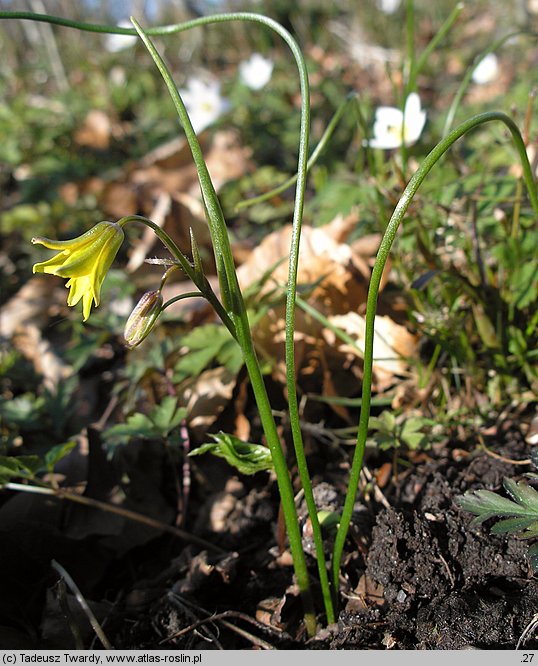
143 318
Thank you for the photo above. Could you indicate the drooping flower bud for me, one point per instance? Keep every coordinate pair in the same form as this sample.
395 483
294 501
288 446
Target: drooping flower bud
142 319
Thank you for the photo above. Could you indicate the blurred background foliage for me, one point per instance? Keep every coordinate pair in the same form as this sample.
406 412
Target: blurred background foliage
466 255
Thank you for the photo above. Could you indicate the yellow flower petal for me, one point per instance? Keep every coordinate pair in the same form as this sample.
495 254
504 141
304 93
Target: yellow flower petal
85 261
74 243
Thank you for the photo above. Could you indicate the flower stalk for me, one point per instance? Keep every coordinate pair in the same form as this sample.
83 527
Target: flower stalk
371 304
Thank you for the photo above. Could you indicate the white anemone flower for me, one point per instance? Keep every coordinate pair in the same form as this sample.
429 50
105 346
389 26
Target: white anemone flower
487 69
256 72
392 127
204 102
388 6
115 43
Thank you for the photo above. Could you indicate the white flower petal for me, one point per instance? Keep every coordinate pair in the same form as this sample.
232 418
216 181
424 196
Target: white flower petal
487 70
204 102
388 125
115 43
256 72
388 6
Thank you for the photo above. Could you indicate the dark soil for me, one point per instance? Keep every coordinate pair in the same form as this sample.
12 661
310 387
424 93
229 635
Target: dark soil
415 574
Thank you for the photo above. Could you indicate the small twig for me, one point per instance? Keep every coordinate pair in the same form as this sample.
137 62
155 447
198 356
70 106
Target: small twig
83 604
528 630
255 640
186 608
60 493
378 493
449 573
66 610
220 617
498 456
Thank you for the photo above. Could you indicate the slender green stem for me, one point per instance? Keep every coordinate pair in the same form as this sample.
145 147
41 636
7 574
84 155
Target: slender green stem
381 259
351 99
181 297
410 47
234 303
231 296
202 283
409 73
437 38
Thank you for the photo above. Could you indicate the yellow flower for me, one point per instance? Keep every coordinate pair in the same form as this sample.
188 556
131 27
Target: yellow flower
85 261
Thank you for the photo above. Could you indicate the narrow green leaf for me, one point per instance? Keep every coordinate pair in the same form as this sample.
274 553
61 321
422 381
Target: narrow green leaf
199 269
485 328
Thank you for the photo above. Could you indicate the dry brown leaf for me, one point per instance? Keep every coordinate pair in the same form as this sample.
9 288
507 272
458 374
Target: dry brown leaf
144 245
96 130
393 345
22 319
118 200
370 591
205 397
340 275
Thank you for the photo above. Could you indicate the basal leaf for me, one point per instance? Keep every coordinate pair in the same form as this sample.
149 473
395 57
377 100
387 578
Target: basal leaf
167 415
513 525
138 425
247 458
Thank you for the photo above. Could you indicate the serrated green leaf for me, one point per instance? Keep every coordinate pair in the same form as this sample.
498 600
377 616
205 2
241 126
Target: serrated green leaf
533 557
480 502
414 440
167 415
247 458
26 466
24 410
523 494
137 425
231 356
54 455
513 525
196 361
210 336
412 425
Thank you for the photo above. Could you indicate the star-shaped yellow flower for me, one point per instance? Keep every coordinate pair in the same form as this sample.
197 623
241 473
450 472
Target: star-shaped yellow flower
85 261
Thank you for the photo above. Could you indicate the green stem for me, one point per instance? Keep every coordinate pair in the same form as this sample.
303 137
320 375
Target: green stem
202 283
438 37
181 297
409 75
410 47
231 296
371 304
234 303
351 99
